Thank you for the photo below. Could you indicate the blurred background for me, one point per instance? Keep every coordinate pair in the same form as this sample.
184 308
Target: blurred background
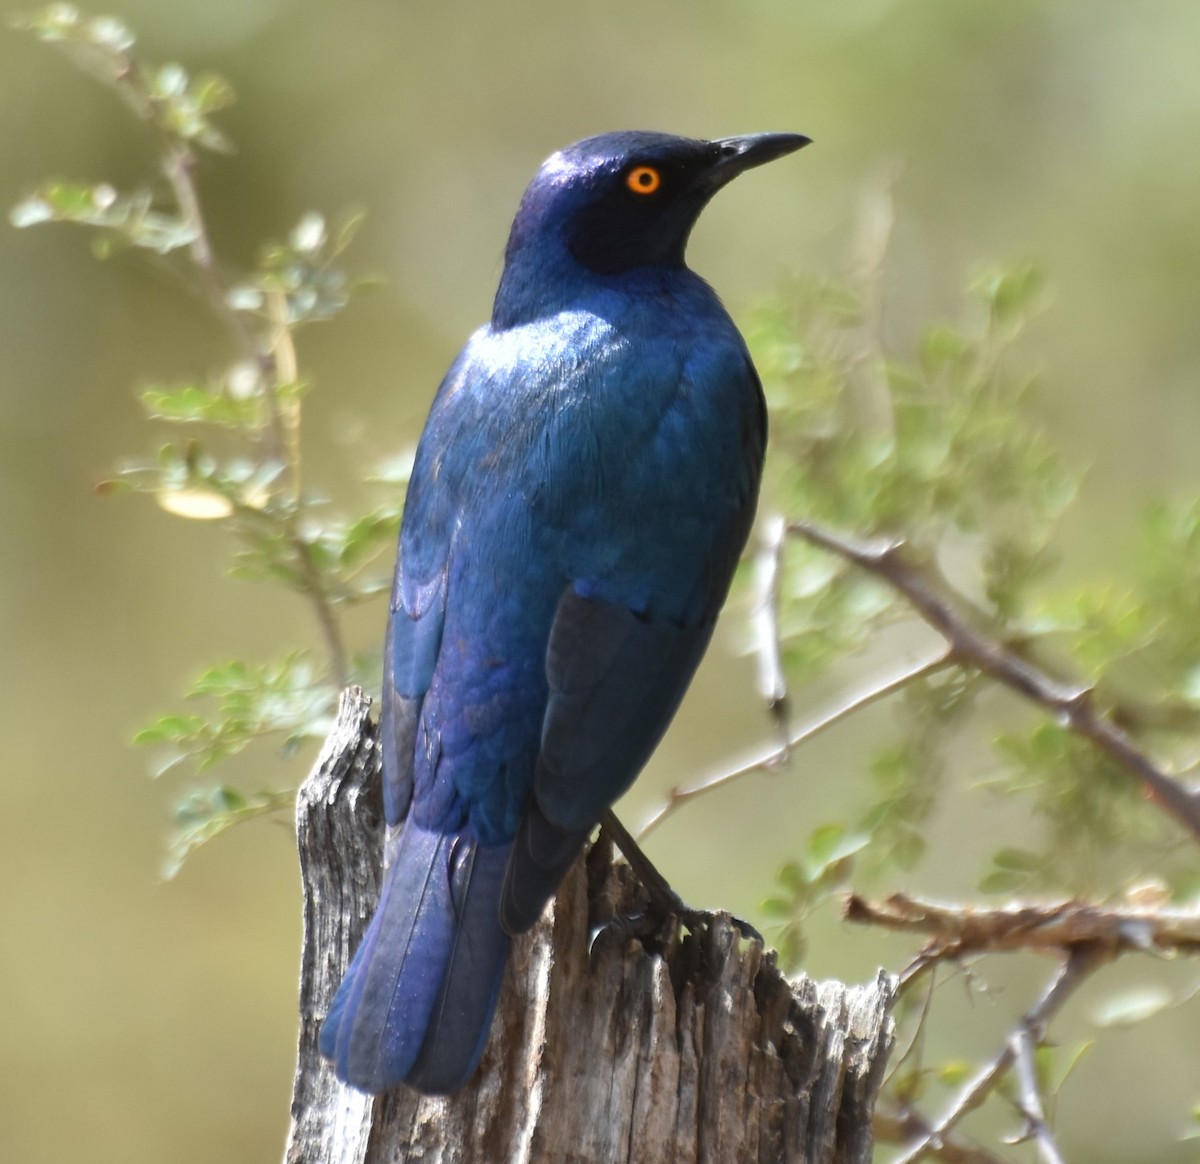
152 1021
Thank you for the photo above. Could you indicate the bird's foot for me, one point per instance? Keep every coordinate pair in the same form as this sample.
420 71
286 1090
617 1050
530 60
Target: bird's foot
663 901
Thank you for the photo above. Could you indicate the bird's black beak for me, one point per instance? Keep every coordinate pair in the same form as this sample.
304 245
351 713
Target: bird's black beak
736 154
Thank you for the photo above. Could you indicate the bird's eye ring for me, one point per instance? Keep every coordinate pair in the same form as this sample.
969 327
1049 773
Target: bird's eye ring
643 179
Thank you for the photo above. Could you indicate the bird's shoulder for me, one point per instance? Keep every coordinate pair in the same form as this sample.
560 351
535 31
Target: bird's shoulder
621 350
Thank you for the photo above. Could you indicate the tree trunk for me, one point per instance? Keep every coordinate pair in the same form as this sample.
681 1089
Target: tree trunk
683 1046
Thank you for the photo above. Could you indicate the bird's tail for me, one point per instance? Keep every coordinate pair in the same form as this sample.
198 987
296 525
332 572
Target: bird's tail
417 1000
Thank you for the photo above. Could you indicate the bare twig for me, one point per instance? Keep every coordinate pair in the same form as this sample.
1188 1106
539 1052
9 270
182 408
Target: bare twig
764 620
916 1044
765 759
1030 1098
284 415
905 1125
1070 705
1080 963
331 632
178 166
957 930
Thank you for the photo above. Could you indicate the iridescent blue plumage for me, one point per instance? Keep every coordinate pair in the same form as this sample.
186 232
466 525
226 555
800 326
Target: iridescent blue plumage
582 491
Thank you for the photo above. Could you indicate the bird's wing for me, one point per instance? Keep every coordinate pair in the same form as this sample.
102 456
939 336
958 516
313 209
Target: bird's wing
417 612
615 679
410 652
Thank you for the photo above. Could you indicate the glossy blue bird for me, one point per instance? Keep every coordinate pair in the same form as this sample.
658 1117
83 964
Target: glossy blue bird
583 488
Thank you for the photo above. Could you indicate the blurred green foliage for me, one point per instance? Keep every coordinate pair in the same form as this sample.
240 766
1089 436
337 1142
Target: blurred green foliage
241 462
938 448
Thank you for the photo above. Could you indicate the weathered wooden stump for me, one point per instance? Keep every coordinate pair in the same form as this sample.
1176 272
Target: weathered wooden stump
680 1047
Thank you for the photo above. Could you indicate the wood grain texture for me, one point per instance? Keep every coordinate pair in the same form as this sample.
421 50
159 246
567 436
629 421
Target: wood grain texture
617 1038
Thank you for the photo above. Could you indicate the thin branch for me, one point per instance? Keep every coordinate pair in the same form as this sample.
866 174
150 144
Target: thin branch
905 1125
331 632
1080 964
284 415
277 365
1070 705
179 164
1030 1098
958 930
766 759
916 1045
764 620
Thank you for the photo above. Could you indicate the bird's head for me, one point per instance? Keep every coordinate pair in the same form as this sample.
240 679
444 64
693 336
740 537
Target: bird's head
622 201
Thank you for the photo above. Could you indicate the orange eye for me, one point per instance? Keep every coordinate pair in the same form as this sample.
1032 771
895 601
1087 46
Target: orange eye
643 179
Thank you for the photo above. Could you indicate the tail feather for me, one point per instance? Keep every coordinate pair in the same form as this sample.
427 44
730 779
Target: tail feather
417 999
458 1026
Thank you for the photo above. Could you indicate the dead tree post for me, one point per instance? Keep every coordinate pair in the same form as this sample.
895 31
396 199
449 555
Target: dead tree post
686 1047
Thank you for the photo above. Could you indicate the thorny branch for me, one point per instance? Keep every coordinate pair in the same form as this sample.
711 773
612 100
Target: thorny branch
1070 705
1080 963
1086 935
957 930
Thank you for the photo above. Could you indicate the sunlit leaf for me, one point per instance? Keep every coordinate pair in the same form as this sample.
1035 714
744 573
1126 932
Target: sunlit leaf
195 504
1131 1006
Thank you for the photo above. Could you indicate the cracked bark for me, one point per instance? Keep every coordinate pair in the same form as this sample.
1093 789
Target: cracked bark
678 1046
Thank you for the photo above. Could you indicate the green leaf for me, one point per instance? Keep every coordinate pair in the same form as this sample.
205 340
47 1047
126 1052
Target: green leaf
169 80
1055 1064
170 729
1021 860
57 19
829 854
954 1072
191 403
32 211
347 229
211 93
287 699
309 234
128 220
108 32
1011 294
1002 881
793 877
825 841
206 813
775 907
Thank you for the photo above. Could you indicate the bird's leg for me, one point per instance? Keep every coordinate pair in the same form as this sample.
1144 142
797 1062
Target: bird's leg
662 896
663 899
